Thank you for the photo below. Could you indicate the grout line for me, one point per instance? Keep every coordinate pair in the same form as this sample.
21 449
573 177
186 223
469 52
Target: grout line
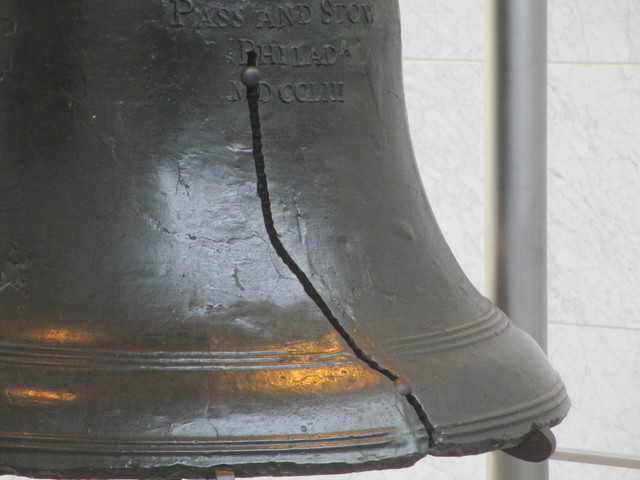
550 62
594 63
441 60
587 325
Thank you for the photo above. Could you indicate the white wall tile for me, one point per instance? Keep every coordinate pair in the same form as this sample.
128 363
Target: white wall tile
579 31
435 29
594 31
601 369
445 109
581 471
594 194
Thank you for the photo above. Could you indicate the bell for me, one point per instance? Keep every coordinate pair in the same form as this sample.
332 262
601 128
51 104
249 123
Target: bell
152 326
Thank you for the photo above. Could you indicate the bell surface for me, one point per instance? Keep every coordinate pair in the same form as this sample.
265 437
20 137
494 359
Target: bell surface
148 327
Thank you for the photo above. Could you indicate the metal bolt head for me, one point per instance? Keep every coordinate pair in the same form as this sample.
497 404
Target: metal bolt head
224 474
403 386
250 76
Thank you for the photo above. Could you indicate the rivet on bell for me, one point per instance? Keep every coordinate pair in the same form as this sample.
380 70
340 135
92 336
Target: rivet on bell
250 76
224 474
403 386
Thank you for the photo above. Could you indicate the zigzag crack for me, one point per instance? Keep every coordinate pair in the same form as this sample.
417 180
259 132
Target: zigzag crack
251 78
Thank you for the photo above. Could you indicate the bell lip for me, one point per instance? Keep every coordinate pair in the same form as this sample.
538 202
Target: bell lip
513 428
337 460
180 471
447 448
503 351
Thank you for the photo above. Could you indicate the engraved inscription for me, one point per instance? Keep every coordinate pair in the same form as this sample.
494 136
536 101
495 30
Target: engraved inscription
255 21
323 55
186 13
285 16
339 13
8 28
203 14
298 92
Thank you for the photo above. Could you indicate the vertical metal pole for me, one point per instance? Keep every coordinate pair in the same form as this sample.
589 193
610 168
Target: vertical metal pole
516 79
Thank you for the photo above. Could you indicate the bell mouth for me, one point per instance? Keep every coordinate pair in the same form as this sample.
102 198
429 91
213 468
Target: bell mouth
519 394
278 409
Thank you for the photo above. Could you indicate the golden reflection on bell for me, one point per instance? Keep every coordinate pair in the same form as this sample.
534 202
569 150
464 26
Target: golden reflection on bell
30 396
148 327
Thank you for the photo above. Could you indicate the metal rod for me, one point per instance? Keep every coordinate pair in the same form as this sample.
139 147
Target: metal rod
597 458
516 69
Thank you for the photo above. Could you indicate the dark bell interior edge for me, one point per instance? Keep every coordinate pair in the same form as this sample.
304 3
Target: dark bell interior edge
537 447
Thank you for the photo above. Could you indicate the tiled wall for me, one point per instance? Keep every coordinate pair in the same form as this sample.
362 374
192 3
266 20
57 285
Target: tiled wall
594 228
594 196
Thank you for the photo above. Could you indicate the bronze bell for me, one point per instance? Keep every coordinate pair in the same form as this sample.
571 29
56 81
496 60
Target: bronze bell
148 325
